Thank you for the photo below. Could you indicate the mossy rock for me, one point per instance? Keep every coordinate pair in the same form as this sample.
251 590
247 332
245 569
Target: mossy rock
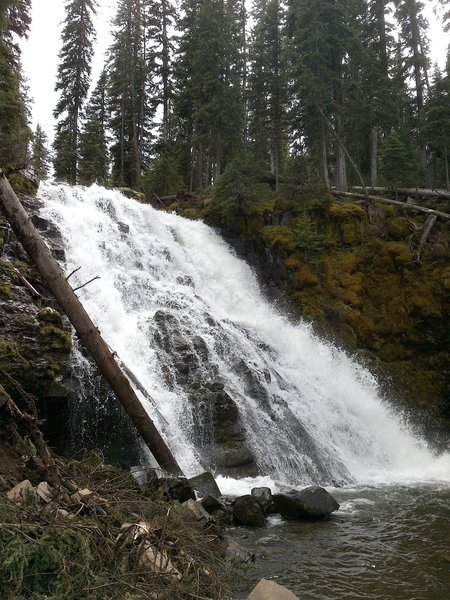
132 194
281 238
50 315
55 338
191 213
23 183
445 279
344 211
399 252
398 228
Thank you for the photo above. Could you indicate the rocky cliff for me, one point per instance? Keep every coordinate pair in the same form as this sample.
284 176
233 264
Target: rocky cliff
362 277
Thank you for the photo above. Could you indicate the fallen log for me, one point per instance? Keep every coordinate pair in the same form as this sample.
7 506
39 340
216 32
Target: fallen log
405 205
90 336
413 192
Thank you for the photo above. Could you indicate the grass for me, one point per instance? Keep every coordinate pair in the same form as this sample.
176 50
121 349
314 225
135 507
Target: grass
81 558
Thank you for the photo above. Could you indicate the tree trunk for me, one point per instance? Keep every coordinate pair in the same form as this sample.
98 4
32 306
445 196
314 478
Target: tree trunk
446 169
341 170
86 330
405 205
417 192
374 157
323 157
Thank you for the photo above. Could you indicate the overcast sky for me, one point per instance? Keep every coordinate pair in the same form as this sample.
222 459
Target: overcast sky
40 52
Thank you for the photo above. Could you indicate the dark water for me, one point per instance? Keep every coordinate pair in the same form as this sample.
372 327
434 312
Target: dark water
383 543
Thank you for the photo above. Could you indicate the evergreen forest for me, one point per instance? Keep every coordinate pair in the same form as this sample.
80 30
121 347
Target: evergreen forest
293 93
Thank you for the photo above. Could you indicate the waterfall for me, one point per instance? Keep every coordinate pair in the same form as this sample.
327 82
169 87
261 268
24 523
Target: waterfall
231 383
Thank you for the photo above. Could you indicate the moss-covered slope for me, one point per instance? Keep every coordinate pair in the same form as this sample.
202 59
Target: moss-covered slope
357 273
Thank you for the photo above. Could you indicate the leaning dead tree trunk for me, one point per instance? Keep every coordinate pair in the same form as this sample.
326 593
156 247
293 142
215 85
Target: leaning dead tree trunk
90 336
406 205
413 192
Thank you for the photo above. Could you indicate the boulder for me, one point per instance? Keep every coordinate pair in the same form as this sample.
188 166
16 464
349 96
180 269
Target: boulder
177 488
248 512
132 194
194 510
312 502
22 492
157 562
44 491
269 590
238 553
263 496
205 484
211 504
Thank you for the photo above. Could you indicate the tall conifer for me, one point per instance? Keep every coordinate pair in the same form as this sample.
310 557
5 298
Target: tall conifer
40 154
73 81
93 147
14 131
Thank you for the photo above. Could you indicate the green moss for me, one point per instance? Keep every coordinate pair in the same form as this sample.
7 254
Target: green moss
22 184
398 228
55 338
399 252
345 211
50 315
282 238
5 291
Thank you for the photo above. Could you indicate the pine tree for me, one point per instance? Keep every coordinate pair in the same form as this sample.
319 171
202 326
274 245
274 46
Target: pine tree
93 146
267 86
14 131
209 106
163 18
317 35
73 80
413 35
40 154
131 97
437 122
375 116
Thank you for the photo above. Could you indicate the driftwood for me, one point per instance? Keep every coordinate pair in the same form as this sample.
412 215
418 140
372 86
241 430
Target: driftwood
413 192
31 424
27 284
426 230
406 205
90 336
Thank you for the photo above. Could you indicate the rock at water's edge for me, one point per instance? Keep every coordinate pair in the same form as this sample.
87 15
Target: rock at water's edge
205 484
312 502
269 590
248 512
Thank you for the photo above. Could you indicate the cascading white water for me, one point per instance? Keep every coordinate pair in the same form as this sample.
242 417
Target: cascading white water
310 414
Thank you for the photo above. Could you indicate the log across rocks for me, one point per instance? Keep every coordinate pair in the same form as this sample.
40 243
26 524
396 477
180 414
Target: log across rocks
57 283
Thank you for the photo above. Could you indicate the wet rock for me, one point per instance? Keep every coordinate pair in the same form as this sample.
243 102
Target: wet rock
211 504
177 488
312 502
238 553
248 512
268 539
205 484
123 227
269 590
263 496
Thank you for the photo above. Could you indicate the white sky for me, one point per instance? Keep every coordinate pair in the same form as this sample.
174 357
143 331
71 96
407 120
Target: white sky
40 52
